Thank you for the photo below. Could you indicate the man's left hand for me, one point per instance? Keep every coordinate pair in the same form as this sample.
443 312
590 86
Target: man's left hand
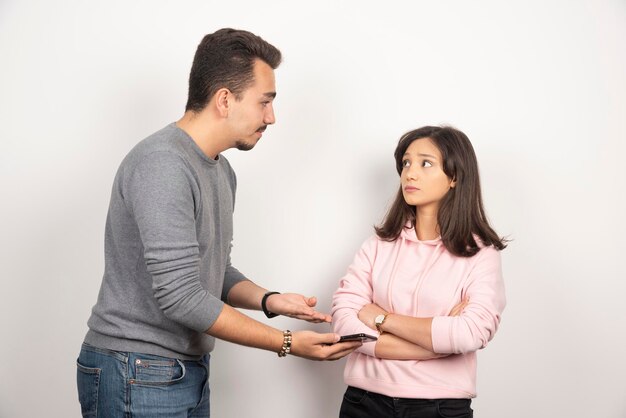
296 306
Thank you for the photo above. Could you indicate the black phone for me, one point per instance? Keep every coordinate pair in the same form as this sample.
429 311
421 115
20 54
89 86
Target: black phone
357 337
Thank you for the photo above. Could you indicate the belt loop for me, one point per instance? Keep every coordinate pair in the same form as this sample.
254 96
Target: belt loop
183 367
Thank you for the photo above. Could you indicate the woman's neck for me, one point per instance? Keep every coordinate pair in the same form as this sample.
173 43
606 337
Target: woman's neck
426 227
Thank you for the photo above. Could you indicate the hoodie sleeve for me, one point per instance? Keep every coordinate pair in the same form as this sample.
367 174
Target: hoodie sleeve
355 291
478 323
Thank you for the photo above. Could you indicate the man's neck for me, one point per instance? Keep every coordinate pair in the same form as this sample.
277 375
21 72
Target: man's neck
204 132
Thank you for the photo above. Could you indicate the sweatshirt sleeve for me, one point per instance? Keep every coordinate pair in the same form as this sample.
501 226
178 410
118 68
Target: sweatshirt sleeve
232 276
478 323
354 292
161 191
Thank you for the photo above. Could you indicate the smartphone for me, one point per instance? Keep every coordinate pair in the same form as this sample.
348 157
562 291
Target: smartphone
357 337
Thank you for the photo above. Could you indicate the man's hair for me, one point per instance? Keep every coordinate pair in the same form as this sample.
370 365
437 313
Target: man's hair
461 216
225 59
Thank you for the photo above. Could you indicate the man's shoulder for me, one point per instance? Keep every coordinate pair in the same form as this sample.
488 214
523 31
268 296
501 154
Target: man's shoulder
163 140
160 145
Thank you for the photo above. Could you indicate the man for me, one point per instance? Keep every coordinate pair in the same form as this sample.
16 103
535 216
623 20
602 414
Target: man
169 288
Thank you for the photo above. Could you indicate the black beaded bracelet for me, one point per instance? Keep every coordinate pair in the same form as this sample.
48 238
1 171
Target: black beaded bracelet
264 307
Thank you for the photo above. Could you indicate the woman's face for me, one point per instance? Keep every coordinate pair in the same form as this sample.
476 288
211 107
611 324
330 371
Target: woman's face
423 181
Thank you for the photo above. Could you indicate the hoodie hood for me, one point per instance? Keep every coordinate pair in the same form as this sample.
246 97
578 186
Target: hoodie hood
408 234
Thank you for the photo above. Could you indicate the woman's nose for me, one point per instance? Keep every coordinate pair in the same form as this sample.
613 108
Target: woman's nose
411 173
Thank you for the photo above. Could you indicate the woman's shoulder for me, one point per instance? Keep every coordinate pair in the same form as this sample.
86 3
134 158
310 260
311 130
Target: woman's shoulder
376 241
482 246
487 254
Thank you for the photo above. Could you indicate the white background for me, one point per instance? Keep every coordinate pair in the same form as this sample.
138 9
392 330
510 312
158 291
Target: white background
538 86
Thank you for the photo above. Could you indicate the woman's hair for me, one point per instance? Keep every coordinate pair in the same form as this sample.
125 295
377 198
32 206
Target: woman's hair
461 216
226 58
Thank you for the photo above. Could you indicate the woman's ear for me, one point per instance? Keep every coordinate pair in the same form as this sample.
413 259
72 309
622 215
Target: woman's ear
452 183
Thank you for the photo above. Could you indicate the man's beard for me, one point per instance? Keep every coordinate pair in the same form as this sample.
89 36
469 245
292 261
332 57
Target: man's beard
243 146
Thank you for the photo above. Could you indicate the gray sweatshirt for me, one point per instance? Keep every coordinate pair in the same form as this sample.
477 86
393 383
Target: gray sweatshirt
167 249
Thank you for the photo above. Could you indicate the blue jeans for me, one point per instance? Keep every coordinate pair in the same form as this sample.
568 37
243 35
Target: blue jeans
359 403
122 384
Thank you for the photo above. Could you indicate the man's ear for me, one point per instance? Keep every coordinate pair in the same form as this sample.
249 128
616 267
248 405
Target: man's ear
223 98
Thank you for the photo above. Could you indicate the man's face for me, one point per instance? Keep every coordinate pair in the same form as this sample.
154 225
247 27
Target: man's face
250 115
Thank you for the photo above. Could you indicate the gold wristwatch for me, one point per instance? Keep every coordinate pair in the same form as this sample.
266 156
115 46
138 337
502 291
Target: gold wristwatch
379 320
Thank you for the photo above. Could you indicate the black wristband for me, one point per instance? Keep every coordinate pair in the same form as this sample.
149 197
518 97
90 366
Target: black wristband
264 307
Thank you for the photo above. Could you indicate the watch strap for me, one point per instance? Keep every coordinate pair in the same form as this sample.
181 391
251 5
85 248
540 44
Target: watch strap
264 306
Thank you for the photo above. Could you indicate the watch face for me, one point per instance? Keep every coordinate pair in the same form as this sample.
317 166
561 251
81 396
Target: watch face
379 319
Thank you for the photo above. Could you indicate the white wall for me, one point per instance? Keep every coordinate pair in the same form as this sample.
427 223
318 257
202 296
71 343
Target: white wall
539 87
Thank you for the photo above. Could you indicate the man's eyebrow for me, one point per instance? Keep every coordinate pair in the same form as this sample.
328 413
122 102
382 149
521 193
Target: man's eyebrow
270 95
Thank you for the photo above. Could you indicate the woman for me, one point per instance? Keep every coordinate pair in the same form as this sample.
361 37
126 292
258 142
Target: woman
428 284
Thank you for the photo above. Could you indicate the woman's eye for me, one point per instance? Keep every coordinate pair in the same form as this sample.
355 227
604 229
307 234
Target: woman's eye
426 163
405 163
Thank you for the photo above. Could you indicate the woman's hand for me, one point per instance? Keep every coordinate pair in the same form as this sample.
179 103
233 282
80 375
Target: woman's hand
368 314
458 308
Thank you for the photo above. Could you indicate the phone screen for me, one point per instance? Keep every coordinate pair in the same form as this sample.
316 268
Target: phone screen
357 337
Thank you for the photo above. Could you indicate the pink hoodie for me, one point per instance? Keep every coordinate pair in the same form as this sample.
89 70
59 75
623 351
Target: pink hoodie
421 279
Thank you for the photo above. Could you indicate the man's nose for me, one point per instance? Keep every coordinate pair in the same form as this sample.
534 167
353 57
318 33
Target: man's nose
269 118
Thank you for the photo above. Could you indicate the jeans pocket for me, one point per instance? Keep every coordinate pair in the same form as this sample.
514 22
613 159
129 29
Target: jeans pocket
88 382
455 408
154 372
354 395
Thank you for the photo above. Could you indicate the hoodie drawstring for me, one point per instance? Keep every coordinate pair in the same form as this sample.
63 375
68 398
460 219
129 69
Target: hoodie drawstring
429 264
393 275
